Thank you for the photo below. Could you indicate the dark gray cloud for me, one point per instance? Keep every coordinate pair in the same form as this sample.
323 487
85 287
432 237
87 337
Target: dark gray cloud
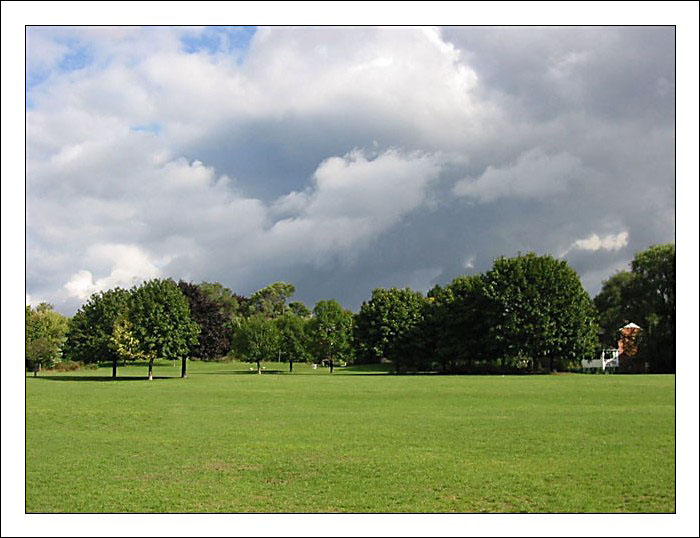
343 159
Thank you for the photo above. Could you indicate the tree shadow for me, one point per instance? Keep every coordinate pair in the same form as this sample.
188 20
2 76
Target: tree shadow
96 378
241 372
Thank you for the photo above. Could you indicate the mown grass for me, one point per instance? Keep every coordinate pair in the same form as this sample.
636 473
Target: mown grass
228 440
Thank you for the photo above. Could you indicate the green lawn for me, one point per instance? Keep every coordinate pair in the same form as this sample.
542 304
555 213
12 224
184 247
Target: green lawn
228 440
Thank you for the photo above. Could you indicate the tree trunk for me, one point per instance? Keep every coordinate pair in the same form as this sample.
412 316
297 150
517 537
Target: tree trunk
114 369
184 367
551 364
259 369
331 365
290 365
36 371
397 367
150 370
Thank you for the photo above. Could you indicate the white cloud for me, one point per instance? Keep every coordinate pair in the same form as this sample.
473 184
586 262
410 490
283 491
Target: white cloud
354 200
608 242
129 264
535 174
593 243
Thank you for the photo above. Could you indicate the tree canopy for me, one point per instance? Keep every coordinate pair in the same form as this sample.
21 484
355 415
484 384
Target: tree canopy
44 336
90 336
160 317
537 310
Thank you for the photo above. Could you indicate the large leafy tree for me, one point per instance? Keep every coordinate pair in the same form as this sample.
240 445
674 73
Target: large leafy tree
645 295
537 310
215 332
161 323
91 331
44 336
331 331
271 301
293 338
654 302
613 306
230 304
256 339
388 325
457 316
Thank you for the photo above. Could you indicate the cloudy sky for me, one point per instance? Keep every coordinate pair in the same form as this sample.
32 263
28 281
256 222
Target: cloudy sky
341 159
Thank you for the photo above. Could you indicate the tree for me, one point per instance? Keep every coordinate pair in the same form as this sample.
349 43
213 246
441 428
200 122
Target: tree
44 336
613 305
387 326
654 303
299 309
293 338
645 295
256 339
92 327
331 331
458 322
230 304
215 333
160 317
271 300
537 310
126 346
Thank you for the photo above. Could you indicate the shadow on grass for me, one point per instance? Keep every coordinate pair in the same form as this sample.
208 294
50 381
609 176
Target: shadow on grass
96 378
241 372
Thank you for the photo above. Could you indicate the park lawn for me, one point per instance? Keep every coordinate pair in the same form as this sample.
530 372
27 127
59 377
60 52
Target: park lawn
228 440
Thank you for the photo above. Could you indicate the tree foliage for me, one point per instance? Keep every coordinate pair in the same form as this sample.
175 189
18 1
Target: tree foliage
92 327
271 301
331 331
646 295
215 332
231 305
537 310
388 326
161 321
256 339
44 336
293 337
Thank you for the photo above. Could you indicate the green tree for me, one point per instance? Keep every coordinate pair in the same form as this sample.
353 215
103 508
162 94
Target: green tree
256 339
271 301
457 316
537 310
645 295
654 303
388 326
331 331
126 346
230 304
92 327
160 317
299 309
613 305
293 338
44 336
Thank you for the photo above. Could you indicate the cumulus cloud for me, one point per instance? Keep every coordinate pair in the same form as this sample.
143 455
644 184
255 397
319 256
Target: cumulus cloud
129 264
534 175
593 242
339 159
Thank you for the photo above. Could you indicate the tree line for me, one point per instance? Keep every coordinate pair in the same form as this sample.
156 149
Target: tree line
527 313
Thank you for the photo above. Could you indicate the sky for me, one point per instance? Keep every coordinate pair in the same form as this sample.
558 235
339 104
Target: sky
341 159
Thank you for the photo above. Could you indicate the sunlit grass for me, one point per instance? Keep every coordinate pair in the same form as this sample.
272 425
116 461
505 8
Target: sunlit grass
229 440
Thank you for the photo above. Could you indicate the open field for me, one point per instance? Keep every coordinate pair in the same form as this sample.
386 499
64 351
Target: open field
228 440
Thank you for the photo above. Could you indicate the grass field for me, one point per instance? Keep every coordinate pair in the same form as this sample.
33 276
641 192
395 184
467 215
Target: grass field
228 440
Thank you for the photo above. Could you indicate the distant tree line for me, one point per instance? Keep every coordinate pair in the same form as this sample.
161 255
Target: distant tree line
527 313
